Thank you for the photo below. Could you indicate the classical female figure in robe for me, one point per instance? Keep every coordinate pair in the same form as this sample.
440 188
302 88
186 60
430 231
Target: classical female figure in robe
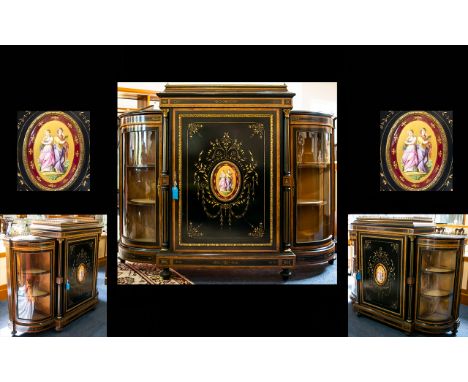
222 185
60 151
228 181
46 156
410 155
424 147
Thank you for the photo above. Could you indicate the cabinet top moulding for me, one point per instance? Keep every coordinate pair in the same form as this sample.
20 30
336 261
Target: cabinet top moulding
140 119
405 226
299 117
30 243
276 96
217 88
66 228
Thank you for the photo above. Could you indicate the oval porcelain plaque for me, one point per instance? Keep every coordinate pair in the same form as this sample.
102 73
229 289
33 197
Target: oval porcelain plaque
225 181
81 273
380 274
416 151
53 151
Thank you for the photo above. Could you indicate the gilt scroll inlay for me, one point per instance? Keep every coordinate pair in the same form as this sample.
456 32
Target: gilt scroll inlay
226 178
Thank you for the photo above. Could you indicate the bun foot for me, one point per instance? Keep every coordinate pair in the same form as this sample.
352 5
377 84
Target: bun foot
286 274
165 274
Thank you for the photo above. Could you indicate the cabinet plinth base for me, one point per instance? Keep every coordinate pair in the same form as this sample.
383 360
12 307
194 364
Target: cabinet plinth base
407 327
388 319
320 255
138 255
284 260
30 327
58 323
437 327
68 317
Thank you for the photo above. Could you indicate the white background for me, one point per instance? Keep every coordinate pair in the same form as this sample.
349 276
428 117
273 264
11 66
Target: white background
233 359
233 22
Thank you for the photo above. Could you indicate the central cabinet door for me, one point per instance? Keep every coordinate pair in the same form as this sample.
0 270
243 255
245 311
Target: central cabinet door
383 270
226 165
80 272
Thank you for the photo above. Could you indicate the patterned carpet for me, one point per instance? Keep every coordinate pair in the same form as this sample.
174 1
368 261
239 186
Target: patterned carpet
144 274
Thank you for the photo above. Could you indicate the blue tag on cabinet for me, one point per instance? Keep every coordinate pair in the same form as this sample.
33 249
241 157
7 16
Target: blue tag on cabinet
175 193
358 276
67 285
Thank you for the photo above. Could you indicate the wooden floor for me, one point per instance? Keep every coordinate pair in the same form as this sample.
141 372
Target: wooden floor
91 324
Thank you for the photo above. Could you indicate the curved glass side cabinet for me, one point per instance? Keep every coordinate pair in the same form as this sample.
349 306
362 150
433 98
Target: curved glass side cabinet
439 261
30 270
140 149
313 211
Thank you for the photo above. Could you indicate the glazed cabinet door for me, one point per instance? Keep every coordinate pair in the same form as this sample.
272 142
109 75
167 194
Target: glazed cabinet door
437 284
225 166
34 285
140 199
312 166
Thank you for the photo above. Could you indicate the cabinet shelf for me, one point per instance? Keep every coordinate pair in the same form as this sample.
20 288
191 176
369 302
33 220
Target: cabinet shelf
149 165
142 202
436 293
438 270
38 316
435 317
307 202
35 271
306 235
35 293
313 165
143 239
34 316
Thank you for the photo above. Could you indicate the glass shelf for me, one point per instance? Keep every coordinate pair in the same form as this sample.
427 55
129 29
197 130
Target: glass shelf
144 239
436 317
311 202
32 293
313 165
35 271
149 165
432 269
142 202
436 293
